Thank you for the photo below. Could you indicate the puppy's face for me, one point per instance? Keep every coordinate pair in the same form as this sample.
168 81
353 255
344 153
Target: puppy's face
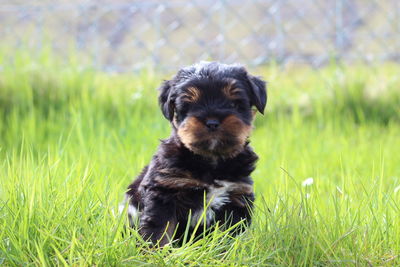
210 107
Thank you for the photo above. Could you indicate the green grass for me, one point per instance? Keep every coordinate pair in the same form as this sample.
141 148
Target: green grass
71 140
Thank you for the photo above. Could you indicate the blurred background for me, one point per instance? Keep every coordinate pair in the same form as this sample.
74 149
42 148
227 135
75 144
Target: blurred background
120 36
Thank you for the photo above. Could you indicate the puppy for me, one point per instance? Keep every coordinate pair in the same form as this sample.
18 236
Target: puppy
200 175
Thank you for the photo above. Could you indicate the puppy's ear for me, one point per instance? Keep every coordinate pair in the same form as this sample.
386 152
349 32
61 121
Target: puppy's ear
165 100
258 94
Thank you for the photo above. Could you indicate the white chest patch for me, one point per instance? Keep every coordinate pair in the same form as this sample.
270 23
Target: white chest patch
216 197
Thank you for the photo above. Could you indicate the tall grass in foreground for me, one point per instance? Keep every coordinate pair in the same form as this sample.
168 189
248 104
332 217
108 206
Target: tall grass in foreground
71 140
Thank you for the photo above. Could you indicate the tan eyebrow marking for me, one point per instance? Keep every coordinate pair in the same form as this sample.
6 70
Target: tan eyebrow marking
230 90
192 94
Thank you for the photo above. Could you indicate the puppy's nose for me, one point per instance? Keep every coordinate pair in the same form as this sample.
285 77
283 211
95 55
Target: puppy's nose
212 124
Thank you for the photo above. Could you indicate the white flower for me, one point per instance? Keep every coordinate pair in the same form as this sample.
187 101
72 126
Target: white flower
307 182
136 96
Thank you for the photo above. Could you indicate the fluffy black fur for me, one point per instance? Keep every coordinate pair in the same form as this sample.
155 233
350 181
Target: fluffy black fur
207 157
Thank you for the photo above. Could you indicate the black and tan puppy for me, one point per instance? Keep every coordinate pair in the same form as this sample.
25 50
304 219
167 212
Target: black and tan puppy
207 160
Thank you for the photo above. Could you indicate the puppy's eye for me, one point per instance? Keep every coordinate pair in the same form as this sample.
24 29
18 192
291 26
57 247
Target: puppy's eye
183 111
234 105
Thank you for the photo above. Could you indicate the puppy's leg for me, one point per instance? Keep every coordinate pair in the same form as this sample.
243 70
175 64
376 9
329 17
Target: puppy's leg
158 219
235 212
134 198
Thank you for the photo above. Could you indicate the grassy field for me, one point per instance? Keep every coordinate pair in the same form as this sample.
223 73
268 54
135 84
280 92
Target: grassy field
71 140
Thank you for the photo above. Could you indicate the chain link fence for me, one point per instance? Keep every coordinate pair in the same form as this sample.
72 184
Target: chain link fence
130 35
